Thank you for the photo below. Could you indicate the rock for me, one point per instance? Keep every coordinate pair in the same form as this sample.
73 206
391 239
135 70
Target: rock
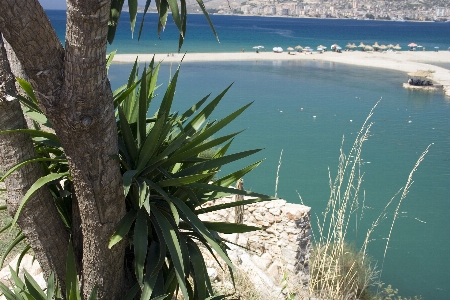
260 262
212 273
275 211
30 265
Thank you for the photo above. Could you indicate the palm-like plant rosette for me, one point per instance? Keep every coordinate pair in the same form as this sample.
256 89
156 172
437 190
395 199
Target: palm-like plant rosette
166 181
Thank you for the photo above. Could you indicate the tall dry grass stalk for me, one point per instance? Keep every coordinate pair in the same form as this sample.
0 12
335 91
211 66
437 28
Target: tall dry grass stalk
337 270
278 173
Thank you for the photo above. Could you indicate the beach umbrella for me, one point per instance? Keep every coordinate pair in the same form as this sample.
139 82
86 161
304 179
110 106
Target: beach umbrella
321 46
390 46
412 45
349 46
383 47
299 48
397 47
277 49
361 45
376 46
368 48
289 49
436 48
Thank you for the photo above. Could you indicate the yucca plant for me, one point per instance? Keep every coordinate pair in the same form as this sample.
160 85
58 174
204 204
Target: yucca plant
166 181
29 289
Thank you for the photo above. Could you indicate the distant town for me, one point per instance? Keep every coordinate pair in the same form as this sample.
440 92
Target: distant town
395 10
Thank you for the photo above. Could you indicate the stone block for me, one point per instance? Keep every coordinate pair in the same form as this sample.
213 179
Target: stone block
275 211
261 262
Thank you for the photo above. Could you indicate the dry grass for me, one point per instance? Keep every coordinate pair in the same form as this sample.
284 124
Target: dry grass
338 271
335 272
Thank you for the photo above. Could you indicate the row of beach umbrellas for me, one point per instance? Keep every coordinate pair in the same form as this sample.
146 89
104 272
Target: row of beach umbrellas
374 46
336 47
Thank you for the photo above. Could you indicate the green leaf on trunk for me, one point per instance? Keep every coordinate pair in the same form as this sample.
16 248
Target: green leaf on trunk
28 89
31 160
109 59
122 228
22 254
37 185
17 240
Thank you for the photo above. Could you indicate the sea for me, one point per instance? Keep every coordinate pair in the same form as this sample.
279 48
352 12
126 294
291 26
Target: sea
308 110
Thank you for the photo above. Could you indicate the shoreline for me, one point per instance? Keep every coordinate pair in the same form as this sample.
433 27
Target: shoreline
403 61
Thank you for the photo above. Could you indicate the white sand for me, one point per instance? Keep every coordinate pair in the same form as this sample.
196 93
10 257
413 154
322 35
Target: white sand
406 61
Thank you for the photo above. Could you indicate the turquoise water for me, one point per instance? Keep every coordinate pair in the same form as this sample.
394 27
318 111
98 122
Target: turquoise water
340 96
405 123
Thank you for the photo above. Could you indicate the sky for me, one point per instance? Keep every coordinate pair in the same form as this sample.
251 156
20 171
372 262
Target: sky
61 4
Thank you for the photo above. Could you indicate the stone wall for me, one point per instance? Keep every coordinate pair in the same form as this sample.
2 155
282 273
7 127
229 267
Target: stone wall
281 249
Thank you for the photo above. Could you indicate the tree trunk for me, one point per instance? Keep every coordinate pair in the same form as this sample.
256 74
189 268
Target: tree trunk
17 71
49 240
74 92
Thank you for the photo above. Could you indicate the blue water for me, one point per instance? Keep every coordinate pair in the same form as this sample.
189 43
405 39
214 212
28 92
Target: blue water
237 33
340 96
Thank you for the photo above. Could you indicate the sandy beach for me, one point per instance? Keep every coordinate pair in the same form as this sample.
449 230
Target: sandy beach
405 61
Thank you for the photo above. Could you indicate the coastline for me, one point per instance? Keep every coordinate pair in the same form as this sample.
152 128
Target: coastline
404 61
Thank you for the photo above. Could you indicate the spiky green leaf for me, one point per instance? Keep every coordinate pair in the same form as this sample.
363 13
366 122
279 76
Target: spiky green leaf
127 136
140 241
227 228
132 10
216 163
122 228
33 287
11 246
180 181
31 160
232 204
28 89
202 6
173 245
37 185
72 287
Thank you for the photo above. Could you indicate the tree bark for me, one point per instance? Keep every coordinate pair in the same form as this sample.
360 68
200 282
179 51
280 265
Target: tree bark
74 93
49 240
